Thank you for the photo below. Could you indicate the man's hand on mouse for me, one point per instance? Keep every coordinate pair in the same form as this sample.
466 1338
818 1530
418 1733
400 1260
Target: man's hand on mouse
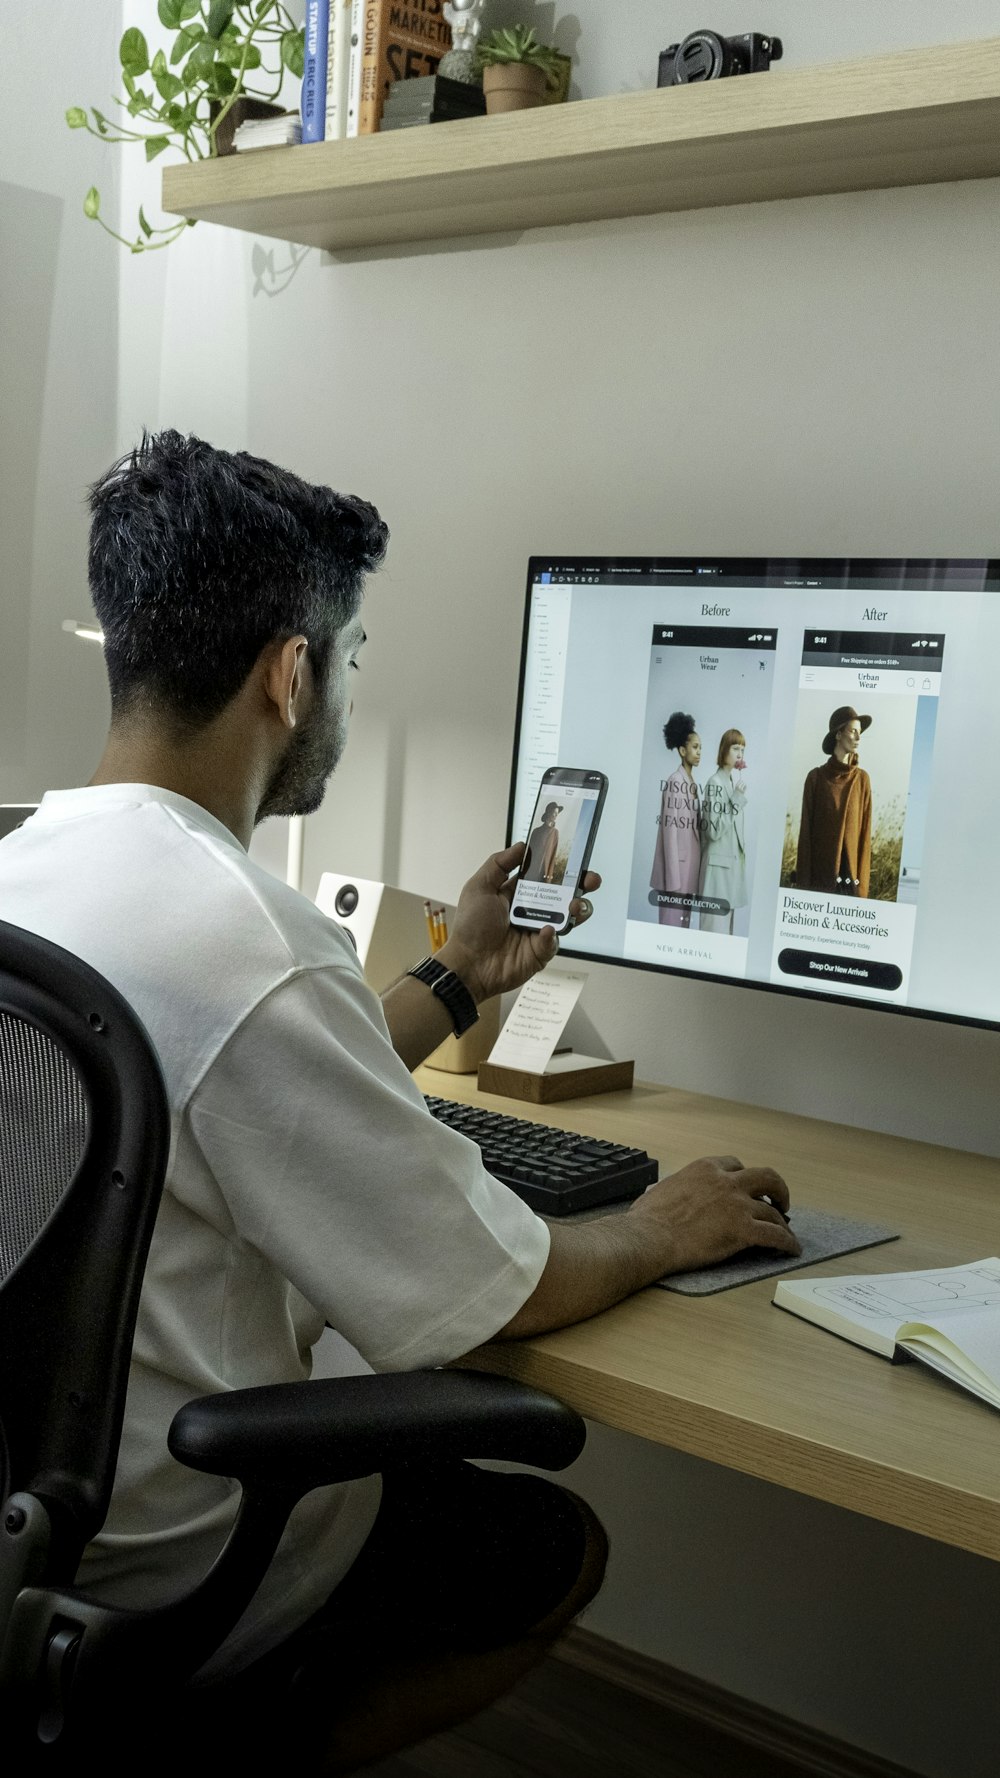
711 1209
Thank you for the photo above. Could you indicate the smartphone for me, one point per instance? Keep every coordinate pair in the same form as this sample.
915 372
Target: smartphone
558 846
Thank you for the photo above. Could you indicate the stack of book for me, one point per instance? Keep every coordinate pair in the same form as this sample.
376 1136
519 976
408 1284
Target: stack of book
430 99
268 132
357 51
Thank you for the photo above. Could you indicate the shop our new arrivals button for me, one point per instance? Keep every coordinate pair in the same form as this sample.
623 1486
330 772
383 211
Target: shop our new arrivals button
856 973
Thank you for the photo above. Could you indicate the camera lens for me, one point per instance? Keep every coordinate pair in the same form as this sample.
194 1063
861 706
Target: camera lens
346 900
701 56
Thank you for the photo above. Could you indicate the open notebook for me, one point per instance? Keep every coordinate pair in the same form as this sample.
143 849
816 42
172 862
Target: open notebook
948 1319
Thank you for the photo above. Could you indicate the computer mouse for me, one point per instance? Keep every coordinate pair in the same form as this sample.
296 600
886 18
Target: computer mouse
783 1213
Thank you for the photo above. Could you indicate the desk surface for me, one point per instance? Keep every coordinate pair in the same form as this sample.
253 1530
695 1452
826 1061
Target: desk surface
731 1378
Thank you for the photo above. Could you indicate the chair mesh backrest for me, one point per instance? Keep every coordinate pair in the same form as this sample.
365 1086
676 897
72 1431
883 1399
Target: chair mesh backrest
44 1125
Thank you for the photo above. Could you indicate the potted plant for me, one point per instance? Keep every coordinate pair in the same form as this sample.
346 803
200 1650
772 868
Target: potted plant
516 69
193 97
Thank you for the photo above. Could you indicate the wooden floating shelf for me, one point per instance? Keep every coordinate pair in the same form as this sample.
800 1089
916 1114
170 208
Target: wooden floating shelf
913 118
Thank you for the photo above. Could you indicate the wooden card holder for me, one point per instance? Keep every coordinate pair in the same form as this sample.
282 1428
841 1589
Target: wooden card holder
567 1076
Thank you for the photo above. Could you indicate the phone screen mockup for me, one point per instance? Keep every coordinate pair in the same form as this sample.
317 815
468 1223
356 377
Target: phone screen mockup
558 846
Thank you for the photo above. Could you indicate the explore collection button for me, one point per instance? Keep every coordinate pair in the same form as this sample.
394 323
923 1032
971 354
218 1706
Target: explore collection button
858 973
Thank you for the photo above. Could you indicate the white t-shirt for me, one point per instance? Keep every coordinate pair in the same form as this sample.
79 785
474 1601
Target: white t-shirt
307 1182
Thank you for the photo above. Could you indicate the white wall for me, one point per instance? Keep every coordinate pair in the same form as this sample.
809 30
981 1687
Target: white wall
818 376
58 389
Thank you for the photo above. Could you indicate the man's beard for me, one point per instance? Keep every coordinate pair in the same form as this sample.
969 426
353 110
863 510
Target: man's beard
298 785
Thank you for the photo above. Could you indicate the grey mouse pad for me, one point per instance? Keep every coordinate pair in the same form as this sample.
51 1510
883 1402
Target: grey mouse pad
822 1237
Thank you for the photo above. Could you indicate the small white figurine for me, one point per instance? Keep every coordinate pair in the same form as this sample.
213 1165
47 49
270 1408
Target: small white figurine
464 17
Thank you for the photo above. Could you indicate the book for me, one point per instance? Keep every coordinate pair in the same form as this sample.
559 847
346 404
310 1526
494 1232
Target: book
400 42
415 122
431 94
268 132
313 105
338 55
947 1319
355 58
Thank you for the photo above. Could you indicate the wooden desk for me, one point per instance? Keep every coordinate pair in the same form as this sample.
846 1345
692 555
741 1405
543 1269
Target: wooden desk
733 1379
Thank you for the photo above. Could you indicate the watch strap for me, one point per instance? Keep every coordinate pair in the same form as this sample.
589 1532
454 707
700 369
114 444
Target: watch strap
450 990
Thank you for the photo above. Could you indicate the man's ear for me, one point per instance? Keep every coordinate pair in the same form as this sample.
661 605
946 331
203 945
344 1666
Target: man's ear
285 678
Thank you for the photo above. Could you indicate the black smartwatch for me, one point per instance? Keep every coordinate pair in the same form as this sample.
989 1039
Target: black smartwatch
450 990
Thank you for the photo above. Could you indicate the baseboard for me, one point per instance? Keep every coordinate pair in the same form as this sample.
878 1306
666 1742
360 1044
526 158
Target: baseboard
767 1731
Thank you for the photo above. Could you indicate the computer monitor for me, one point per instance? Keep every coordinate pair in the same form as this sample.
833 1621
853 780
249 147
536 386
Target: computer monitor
803 769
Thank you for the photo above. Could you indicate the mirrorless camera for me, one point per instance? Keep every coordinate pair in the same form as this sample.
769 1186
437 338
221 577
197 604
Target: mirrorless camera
705 55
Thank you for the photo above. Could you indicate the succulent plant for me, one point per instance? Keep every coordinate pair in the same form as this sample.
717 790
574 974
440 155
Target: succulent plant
517 43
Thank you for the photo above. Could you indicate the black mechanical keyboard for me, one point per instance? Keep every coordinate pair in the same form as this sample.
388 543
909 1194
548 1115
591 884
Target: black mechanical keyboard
553 1170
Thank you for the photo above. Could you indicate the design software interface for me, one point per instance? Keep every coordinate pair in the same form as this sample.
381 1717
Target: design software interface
799 757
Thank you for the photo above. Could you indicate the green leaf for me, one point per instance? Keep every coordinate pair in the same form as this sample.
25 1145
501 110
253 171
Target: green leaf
174 12
134 52
155 145
92 203
293 52
101 121
186 41
224 81
219 14
76 117
168 85
200 62
159 64
232 55
141 102
143 224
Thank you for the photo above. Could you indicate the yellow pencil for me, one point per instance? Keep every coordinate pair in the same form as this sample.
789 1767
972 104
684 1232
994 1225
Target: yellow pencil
431 925
442 928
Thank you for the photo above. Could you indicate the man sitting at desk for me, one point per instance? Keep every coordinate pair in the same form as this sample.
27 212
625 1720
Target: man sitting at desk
307 1182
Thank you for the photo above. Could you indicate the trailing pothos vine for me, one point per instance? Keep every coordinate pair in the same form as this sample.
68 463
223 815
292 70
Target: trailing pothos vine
179 96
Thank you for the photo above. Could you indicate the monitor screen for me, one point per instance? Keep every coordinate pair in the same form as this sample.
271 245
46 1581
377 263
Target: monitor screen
799 758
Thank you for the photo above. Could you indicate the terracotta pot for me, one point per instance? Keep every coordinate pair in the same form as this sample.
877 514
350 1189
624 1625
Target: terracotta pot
242 109
513 86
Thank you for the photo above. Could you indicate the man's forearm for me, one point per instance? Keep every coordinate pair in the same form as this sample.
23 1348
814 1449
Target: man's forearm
591 1266
417 1019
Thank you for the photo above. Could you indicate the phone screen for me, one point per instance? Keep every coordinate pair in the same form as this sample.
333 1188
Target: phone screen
558 846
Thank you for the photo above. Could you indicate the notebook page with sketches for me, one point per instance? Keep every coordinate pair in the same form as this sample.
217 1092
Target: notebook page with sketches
949 1319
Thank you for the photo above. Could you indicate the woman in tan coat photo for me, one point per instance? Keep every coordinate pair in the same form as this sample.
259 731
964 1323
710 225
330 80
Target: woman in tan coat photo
835 832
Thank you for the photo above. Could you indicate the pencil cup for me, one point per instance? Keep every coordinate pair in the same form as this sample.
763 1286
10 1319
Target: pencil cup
462 1055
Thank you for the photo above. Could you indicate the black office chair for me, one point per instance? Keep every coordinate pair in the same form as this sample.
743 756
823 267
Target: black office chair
84 1138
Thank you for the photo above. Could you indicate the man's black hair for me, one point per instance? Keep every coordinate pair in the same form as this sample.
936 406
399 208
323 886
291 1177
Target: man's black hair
677 729
199 558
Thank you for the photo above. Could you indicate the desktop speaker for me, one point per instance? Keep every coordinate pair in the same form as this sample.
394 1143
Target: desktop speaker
388 927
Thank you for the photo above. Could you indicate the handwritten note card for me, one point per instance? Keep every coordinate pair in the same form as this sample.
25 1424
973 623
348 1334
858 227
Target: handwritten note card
537 1020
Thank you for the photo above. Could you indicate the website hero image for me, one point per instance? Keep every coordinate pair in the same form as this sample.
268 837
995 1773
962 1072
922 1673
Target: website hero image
704 741
858 793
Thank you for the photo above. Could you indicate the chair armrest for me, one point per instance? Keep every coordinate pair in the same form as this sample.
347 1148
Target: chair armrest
304 1435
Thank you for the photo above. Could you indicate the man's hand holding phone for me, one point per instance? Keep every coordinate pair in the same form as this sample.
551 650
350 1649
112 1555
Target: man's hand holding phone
489 953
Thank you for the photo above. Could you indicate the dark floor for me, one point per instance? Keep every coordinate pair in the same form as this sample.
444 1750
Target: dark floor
561 1722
